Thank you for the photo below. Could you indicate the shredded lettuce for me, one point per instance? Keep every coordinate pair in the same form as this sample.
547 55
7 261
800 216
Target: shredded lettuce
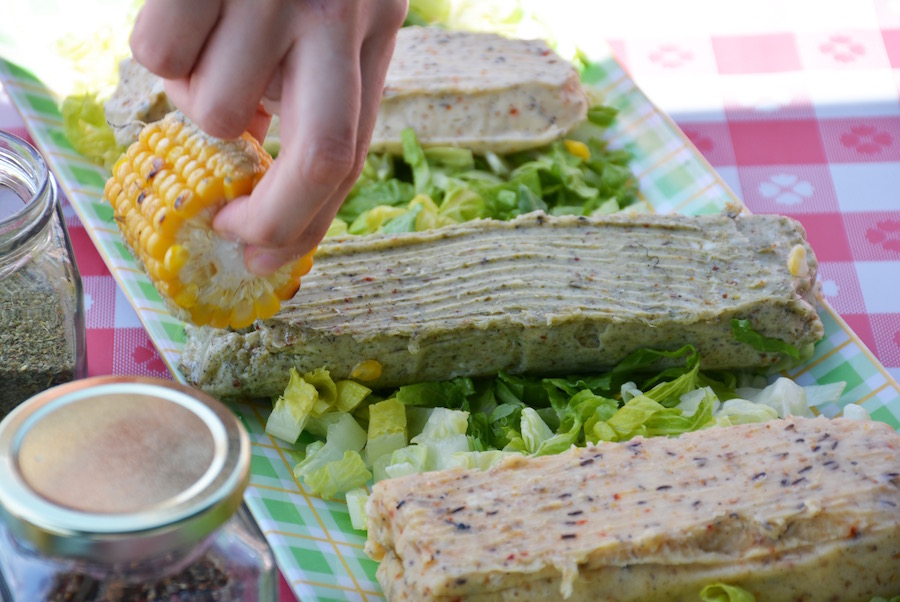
475 423
349 395
84 123
387 429
819 395
426 188
784 396
406 460
741 411
335 466
478 460
853 411
721 592
502 16
292 409
356 507
744 332
310 397
443 435
338 476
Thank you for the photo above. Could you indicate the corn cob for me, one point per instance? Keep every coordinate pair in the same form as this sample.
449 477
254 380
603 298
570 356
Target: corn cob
165 191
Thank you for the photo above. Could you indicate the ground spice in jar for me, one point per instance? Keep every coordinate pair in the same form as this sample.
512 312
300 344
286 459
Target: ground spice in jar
203 581
128 489
41 305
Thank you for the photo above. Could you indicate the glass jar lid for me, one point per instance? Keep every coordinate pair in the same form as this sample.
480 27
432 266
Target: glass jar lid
120 469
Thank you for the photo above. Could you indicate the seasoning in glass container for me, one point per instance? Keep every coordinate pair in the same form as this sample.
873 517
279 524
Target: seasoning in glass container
42 337
121 489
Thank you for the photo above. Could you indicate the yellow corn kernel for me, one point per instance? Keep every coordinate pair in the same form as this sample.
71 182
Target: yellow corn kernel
157 246
165 190
200 314
797 264
243 314
577 148
366 370
175 258
187 297
268 305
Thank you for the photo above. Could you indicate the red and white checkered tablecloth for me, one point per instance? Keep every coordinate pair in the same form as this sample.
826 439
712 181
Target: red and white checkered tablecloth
796 104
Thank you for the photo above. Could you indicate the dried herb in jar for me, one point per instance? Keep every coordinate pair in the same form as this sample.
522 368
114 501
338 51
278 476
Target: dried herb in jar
35 335
41 306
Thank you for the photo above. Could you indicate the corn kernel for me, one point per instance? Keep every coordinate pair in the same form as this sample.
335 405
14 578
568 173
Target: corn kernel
366 370
797 264
267 305
577 148
175 258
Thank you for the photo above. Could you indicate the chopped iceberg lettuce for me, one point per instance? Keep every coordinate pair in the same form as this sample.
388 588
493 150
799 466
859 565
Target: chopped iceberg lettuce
785 396
338 476
854 411
292 409
335 466
356 506
387 429
406 460
478 460
443 435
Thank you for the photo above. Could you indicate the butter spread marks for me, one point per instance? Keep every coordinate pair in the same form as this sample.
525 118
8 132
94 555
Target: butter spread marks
542 295
476 90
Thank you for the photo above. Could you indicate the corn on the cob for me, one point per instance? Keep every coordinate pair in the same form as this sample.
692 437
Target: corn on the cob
165 191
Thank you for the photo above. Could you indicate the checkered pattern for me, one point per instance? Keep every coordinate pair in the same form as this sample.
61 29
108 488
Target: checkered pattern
797 118
799 115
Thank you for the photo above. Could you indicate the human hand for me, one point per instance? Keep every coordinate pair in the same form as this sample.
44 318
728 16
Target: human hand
323 61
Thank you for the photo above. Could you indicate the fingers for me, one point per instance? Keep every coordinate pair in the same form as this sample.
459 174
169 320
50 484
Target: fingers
169 35
218 56
375 58
291 208
222 57
236 65
259 123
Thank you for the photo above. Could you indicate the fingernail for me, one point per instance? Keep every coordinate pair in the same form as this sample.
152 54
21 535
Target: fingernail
264 264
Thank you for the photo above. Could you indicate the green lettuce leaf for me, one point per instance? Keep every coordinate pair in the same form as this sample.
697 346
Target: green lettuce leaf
720 592
443 435
343 435
292 409
84 123
411 459
387 429
743 332
356 507
465 186
339 476
478 460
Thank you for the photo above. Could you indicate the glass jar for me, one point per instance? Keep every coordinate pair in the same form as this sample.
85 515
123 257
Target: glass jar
42 337
119 488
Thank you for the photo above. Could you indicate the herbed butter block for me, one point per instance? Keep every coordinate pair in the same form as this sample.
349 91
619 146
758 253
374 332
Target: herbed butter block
477 90
537 295
799 509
